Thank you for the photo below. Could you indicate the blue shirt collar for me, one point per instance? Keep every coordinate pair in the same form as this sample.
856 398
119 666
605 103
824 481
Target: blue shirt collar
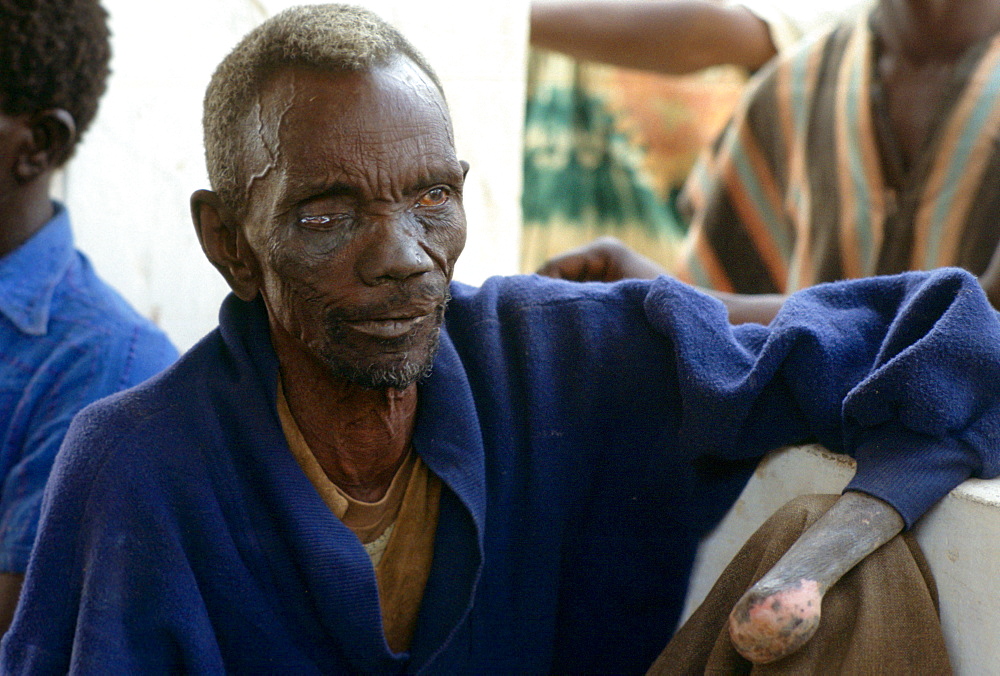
30 273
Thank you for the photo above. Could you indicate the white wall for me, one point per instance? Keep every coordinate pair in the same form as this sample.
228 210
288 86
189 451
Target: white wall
128 186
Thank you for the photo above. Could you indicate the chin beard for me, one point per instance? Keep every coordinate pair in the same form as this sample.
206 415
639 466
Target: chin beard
396 374
409 362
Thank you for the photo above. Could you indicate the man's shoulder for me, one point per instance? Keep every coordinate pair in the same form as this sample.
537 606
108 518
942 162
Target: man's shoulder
791 22
807 60
195 409
165 403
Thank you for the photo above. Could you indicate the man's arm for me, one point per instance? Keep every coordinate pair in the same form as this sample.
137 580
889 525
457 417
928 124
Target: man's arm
990 280
781 612
744 308
900 372
679 36
896 371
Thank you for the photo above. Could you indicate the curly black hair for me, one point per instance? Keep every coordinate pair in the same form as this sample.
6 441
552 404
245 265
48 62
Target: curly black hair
53 54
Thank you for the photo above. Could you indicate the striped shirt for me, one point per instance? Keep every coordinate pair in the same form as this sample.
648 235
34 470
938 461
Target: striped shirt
796 189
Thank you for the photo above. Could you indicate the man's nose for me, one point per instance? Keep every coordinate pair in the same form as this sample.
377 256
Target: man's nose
394 252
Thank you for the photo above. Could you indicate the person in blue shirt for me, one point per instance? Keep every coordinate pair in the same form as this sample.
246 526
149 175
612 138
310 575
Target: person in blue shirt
66 338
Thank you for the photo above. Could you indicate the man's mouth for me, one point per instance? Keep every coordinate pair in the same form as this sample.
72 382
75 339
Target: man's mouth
390 327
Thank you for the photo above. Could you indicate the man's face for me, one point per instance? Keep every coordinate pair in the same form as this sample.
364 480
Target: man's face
355 219
13 131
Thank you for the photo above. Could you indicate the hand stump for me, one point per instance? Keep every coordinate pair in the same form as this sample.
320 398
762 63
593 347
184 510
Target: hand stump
781 612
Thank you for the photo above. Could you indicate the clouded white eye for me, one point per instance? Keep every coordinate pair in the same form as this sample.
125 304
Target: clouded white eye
323 222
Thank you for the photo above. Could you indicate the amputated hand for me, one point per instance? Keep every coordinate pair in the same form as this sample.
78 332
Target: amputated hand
781 612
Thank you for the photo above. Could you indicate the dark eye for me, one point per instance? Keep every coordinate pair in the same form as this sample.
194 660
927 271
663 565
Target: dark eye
434 197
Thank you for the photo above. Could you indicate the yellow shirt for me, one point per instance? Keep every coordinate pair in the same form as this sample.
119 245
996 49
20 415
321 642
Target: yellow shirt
397 531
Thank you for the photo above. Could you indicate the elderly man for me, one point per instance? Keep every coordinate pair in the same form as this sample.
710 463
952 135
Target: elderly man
67 338
302 492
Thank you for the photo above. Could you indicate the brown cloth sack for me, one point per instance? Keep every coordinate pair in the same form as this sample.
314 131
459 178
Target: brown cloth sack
880 618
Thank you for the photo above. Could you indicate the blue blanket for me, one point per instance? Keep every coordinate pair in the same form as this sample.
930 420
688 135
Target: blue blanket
587 437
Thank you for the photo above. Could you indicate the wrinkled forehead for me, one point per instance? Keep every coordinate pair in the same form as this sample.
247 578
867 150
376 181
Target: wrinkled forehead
304 106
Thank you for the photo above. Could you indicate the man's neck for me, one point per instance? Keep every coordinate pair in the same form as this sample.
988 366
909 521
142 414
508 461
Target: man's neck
935 30
23 212
359 436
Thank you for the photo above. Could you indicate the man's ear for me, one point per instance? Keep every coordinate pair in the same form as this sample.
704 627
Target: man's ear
223 242
52 134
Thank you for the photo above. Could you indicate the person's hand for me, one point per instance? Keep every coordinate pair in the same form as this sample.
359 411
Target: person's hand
603 260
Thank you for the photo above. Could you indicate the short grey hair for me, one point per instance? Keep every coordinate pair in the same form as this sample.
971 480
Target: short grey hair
335 38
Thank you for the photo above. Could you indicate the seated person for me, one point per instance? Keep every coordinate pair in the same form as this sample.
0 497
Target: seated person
868 150
68 339
368 468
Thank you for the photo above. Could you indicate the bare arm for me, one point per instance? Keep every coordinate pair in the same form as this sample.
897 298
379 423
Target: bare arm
990 280
744 307
10 592
780 613
669 36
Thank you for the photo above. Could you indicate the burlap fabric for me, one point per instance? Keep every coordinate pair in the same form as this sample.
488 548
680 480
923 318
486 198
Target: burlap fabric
880 618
